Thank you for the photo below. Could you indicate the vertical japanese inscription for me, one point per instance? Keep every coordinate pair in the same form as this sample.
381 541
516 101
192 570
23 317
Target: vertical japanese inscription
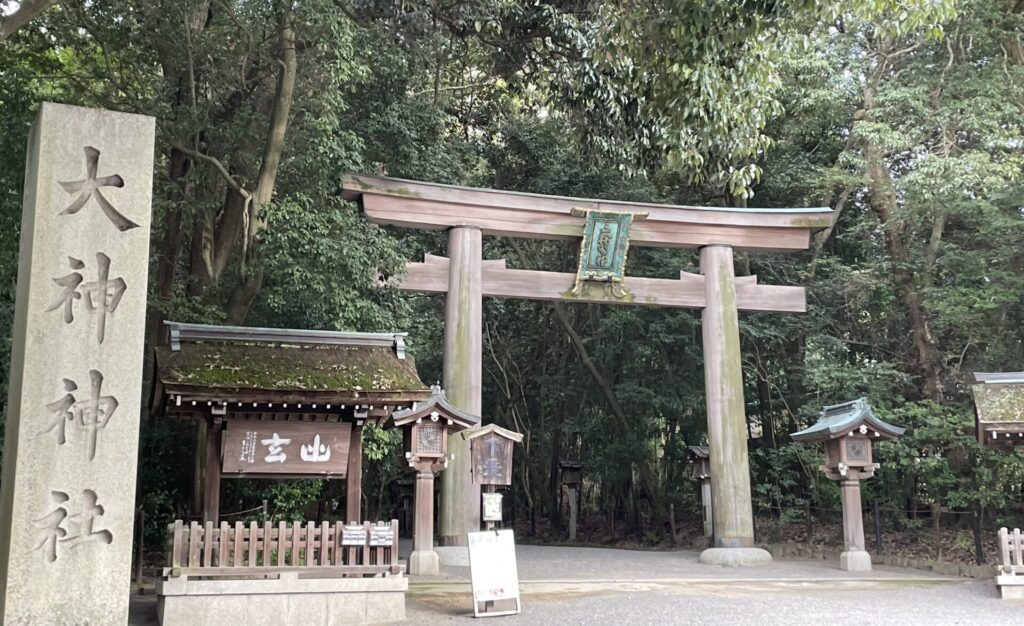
70 449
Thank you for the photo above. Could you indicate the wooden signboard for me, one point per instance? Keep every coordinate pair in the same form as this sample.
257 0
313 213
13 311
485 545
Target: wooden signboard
493 573
492 460
286 448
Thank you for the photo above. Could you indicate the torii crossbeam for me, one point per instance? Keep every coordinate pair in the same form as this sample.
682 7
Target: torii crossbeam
606 229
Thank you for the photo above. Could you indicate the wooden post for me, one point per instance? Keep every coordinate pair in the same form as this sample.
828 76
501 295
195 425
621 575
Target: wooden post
854 558
140 538
211 486
354 477
489 525
463 373
573 505
727 432
879 546
424 561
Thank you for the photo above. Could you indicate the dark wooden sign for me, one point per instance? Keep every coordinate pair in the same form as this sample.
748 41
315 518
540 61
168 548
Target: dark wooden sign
286 448
492 459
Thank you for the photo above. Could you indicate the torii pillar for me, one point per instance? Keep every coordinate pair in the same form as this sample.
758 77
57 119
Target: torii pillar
733 520
463 373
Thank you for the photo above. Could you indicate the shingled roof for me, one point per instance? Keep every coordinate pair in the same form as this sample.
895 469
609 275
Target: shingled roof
227 364
838 419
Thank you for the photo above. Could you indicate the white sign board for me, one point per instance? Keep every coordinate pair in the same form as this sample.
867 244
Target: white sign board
382 536
492 507
353 536
493 571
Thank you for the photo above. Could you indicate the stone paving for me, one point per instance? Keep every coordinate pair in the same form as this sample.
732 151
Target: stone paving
597 586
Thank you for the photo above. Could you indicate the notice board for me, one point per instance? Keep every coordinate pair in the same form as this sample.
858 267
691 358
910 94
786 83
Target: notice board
493 572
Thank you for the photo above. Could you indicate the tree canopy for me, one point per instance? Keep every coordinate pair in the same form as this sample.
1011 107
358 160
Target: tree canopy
905 117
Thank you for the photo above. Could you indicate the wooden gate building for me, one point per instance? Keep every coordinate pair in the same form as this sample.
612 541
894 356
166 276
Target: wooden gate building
282 403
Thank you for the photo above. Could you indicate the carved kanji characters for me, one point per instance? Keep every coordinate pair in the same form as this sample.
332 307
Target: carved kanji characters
102 295
90 187
89 415
53 533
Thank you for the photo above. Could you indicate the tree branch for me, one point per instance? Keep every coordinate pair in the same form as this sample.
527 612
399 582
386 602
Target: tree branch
27 11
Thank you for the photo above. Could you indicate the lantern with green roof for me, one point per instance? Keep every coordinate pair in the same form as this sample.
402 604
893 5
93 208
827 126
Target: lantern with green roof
849 432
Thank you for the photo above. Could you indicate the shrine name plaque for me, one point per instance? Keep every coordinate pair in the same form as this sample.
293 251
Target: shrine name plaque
287 448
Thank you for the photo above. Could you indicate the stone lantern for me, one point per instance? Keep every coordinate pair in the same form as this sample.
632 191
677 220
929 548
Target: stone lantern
572 476
849 432
426 429
700 470
490 450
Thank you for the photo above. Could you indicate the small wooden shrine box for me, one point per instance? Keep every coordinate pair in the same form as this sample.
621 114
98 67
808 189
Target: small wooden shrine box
491 450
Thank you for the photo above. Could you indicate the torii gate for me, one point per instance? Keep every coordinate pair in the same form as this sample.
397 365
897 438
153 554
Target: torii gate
607 228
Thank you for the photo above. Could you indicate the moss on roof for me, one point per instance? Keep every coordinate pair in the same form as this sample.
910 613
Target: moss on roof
288 367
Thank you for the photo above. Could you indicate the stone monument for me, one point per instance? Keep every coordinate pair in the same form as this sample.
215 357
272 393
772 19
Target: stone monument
67 502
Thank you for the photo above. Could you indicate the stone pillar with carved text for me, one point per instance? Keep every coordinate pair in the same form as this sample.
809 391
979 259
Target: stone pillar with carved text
67 499
727 425
463 373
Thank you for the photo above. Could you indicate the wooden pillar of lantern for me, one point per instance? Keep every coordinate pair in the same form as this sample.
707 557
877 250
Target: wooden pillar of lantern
427 429
849 432
700 471
572 476
490 450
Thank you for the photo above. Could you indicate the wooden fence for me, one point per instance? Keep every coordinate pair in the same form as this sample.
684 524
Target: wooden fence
311 550
1011 550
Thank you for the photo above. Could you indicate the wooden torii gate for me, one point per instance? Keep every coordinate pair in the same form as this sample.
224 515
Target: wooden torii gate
607 228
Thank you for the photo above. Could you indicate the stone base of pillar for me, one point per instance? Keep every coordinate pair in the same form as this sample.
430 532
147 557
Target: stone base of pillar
735 557
424 563
855 561
453 555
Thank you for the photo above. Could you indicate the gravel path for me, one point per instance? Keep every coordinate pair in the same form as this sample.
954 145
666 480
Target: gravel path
599 586
832 604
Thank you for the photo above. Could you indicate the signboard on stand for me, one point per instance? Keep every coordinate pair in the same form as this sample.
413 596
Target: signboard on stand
493 573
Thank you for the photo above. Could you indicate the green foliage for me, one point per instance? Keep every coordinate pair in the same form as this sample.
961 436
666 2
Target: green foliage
709 102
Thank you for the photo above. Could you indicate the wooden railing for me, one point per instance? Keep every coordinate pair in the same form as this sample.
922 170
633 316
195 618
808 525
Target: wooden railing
310 550
1011 551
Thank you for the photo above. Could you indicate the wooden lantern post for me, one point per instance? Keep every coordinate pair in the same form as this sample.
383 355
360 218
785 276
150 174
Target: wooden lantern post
849 431
572 477
700 470
427 428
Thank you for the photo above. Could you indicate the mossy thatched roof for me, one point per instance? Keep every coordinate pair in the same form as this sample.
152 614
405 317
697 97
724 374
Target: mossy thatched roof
287 367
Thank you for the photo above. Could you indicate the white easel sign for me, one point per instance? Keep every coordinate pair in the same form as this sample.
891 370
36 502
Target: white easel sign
494 574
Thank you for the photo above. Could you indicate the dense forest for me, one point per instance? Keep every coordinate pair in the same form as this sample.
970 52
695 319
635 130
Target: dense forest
905 117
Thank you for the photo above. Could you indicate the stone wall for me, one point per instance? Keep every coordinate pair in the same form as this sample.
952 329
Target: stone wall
799 551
